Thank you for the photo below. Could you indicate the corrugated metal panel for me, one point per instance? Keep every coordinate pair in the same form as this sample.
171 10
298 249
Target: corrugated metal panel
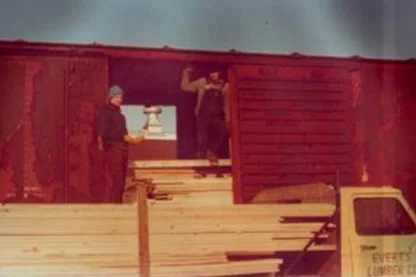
32 138
292 125
12 88
48 105
87 88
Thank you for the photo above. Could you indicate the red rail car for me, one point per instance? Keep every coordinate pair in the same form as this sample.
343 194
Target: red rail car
295 118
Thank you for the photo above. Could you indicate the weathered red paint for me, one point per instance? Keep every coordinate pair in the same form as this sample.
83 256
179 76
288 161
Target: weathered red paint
169 53
73 78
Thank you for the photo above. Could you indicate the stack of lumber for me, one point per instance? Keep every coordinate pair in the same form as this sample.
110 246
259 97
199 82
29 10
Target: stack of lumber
204 230
194 234
206 236
102 240
177 171
68 240
181 180
188 190
210 190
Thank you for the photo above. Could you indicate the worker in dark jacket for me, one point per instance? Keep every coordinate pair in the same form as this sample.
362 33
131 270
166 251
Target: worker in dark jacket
211 110
113 139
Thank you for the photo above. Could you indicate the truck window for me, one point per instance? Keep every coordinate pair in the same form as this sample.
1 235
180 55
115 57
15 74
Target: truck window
382 216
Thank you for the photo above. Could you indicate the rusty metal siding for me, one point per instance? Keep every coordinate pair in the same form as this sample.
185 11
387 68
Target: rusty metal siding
294 126
32 140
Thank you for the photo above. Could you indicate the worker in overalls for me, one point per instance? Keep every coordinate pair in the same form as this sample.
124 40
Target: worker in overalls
211 111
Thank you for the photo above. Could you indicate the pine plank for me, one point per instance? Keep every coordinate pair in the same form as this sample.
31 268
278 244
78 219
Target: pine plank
219 269
177 163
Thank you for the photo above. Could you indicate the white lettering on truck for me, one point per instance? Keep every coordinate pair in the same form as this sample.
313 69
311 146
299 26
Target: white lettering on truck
391 264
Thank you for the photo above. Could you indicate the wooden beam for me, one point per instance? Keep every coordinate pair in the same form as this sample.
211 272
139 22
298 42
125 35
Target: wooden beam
177 163
143 229
221 269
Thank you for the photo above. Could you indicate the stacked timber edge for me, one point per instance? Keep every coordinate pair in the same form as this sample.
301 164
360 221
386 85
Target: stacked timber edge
199 232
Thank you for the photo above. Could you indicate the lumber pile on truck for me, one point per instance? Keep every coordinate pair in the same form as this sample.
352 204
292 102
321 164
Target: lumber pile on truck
198 232
102 240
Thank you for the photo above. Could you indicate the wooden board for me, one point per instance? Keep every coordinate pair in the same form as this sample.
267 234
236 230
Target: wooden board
219 269
177 163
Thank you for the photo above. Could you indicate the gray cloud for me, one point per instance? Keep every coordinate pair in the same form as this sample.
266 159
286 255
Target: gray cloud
372 28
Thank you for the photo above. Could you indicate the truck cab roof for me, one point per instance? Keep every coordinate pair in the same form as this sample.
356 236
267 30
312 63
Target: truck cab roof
369 189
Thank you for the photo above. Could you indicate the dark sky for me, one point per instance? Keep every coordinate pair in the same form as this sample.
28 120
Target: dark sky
370 28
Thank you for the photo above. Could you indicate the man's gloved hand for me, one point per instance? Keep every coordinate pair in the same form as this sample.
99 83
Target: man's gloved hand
135 139
188 70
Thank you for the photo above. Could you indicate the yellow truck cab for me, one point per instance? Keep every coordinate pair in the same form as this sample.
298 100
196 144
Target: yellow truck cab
377 233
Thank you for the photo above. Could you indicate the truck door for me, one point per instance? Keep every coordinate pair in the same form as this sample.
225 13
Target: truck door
383 242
